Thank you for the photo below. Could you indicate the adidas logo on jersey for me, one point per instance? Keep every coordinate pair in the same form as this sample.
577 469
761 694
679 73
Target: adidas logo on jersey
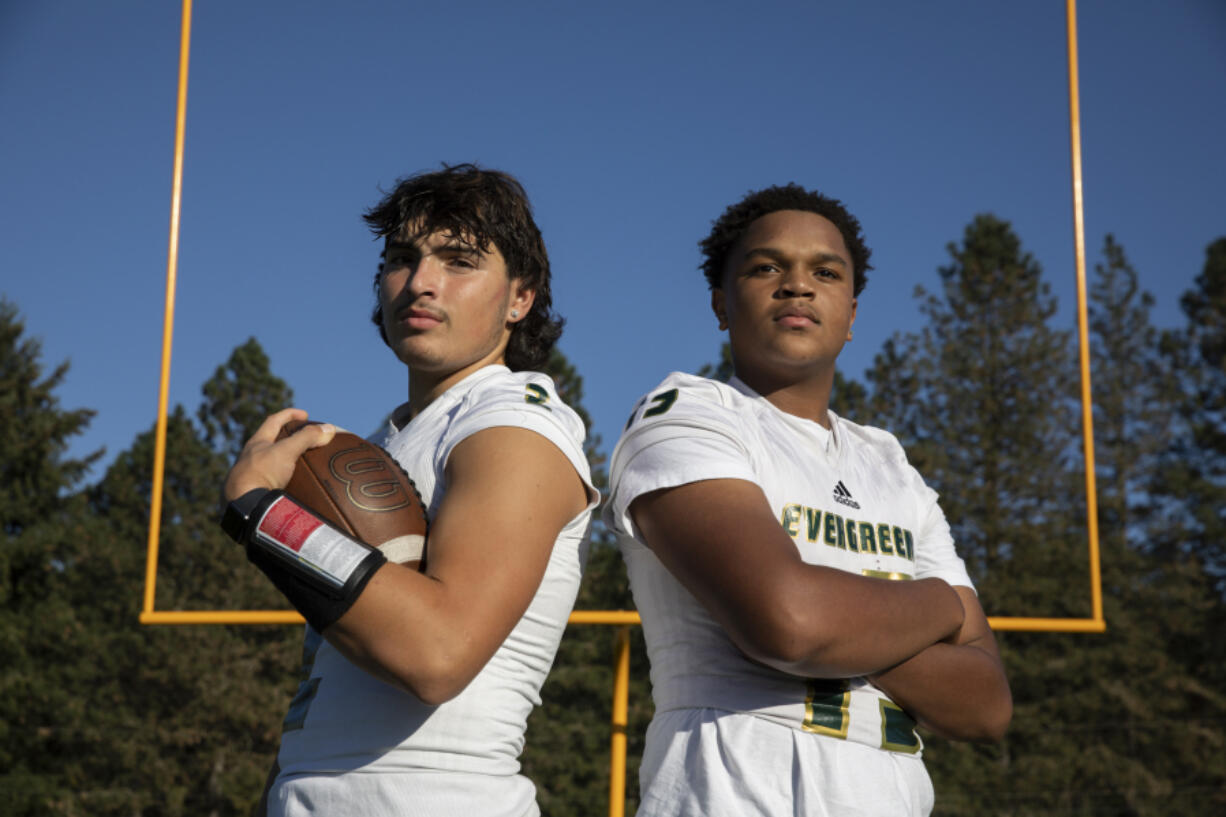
842 495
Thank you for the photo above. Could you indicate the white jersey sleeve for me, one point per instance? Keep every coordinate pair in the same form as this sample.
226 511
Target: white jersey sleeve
679 433
525 400
935 556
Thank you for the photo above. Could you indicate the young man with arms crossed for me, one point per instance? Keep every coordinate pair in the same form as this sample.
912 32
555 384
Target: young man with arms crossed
415 698
802 601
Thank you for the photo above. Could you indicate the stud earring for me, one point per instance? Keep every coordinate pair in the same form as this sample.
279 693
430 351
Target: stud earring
514 313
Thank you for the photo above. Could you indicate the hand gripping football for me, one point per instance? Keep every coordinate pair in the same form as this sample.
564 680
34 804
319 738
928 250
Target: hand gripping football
363 491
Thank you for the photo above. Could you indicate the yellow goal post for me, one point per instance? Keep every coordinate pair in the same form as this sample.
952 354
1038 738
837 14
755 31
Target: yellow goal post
623 619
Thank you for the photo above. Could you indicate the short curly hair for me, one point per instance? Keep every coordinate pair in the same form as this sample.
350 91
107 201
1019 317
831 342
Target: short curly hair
488 208
729 227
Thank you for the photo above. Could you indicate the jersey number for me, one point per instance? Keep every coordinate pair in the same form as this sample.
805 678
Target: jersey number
537 396
660 403
828 712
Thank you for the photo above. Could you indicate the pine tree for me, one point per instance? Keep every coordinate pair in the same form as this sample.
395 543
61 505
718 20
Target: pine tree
1146 719
239 395
849 398
183 720
157 720
1195 475
981 400
721 371
984 393
893 383
37 502
1114 723
1187 531
35 432
1133 395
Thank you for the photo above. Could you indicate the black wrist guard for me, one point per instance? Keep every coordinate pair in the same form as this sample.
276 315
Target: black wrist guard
320 570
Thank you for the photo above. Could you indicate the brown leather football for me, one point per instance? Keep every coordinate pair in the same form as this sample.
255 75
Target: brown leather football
361 489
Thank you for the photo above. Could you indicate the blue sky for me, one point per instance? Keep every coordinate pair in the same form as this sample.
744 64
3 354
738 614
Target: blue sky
631 124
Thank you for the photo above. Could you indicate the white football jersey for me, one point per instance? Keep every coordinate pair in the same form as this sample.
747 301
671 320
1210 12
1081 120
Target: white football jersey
352 744
846 496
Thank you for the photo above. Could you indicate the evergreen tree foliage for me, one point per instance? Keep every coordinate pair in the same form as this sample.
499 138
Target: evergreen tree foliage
1134 396
894 380
181 720
36 506
35 432
1104 724
721 371
1194 477
1126 695
110 717
239 395
981 399
849 398
1187 534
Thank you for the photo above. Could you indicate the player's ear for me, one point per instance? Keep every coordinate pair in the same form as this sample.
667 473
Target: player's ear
717 306
520 302
850 323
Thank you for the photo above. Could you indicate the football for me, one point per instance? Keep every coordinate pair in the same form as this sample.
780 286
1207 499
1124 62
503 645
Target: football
363 491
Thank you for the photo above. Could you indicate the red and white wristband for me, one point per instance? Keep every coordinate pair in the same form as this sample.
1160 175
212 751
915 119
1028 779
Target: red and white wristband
319 569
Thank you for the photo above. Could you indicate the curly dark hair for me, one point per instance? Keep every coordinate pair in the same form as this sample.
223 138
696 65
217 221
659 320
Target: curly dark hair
488 208
729 227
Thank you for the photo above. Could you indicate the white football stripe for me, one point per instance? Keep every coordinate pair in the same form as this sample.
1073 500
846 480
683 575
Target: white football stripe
404 548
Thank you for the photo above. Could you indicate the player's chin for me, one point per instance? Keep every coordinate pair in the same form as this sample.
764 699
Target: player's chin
795 347
417 358
794 363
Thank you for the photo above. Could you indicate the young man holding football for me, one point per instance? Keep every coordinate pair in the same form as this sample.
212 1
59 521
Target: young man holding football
418 685
802 601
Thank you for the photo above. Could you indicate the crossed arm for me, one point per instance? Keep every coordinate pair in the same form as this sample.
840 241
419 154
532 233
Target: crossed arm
927 644
509 493
956 688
